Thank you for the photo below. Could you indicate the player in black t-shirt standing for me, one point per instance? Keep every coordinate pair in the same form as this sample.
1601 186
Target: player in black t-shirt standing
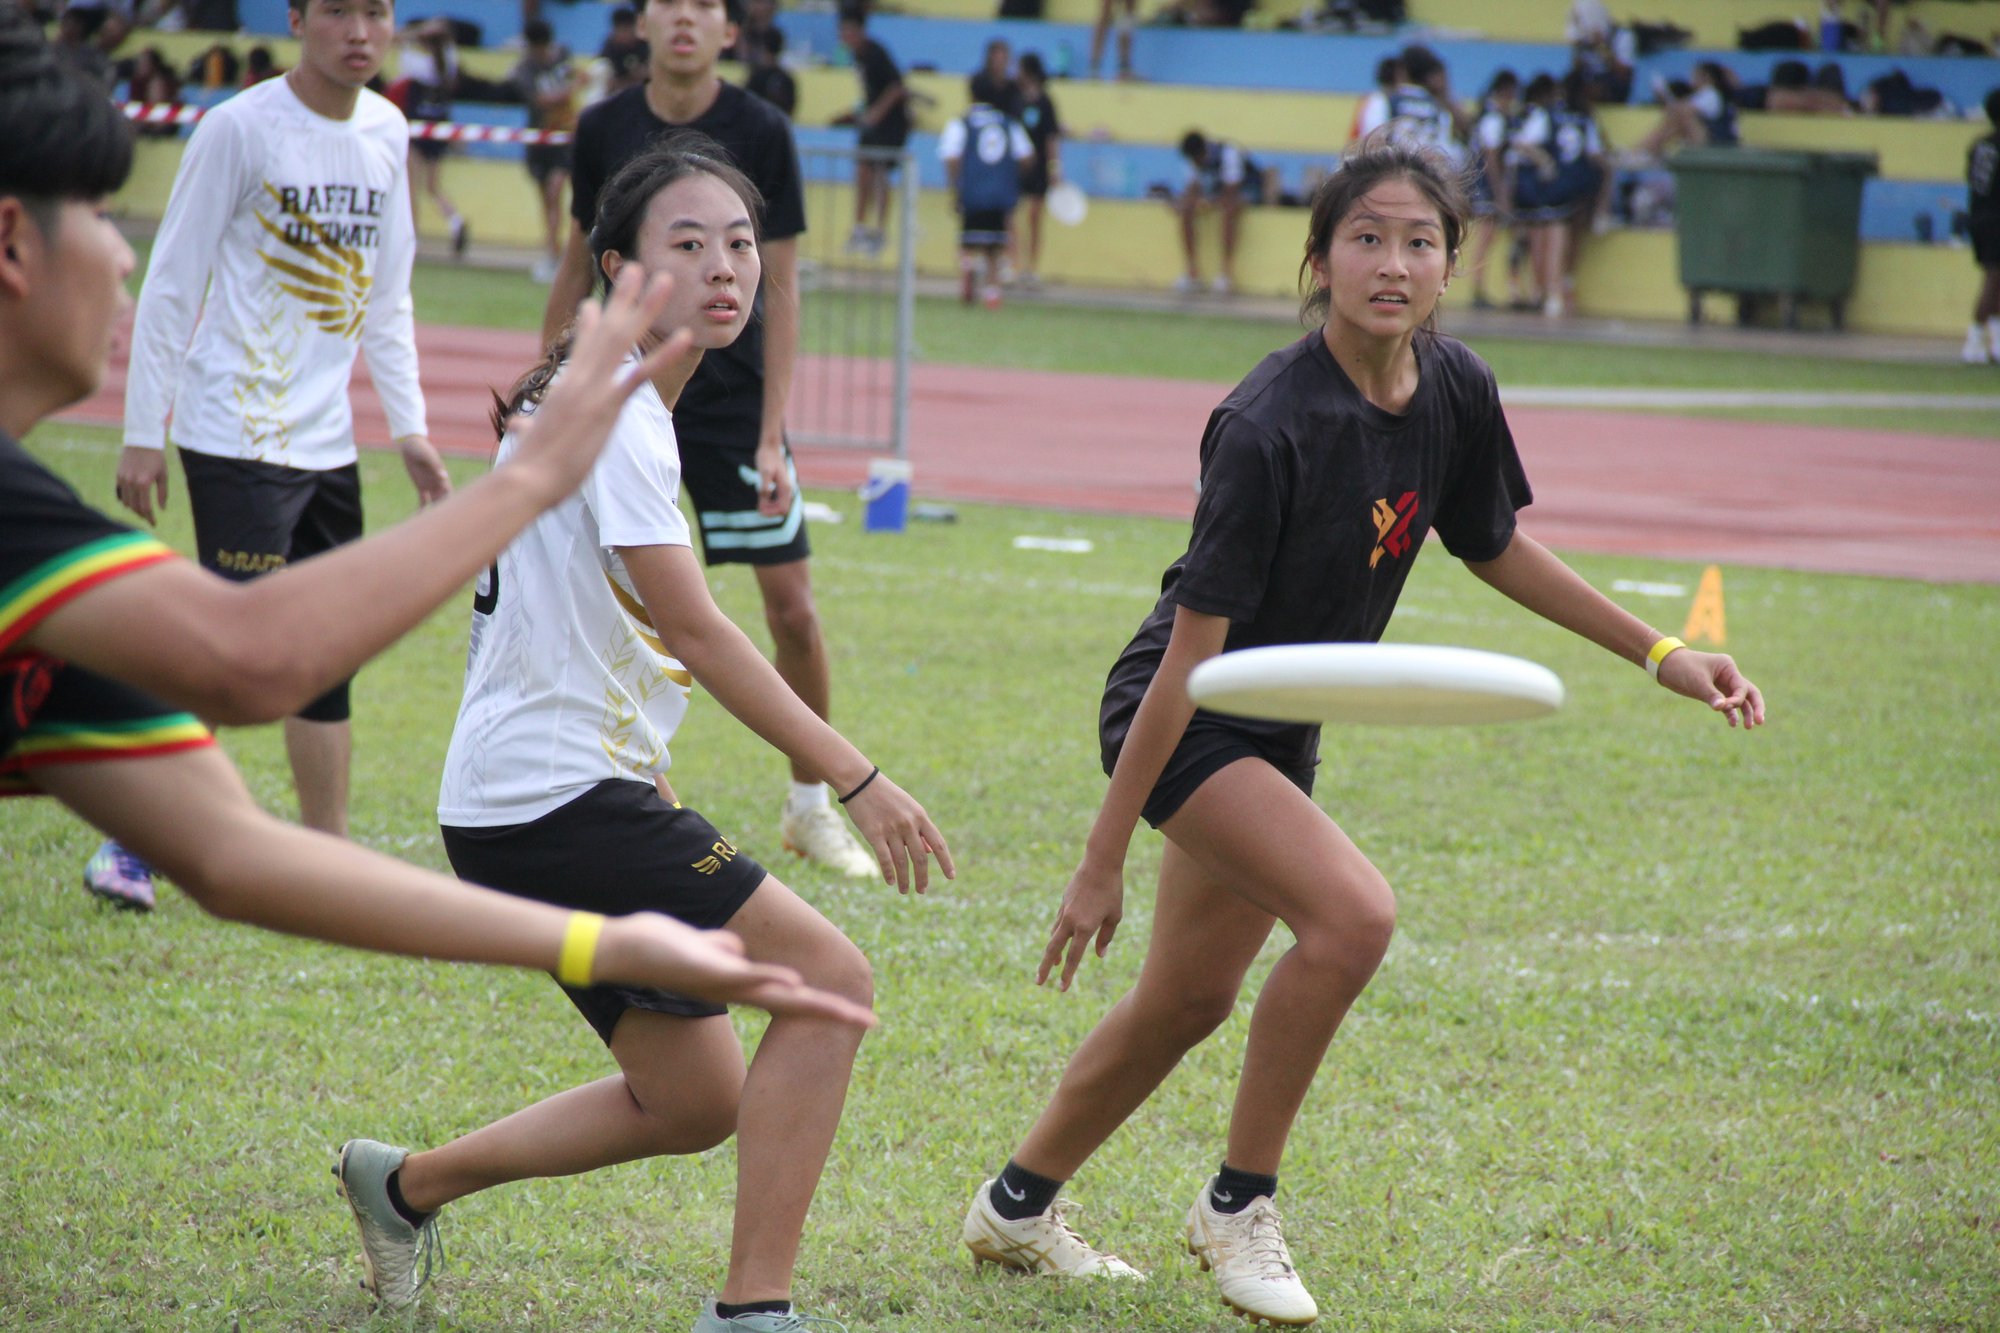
1037 114
730 419
884 118
1982 187
1322 473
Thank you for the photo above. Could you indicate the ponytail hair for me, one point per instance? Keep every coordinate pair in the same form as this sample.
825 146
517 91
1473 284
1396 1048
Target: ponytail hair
621 208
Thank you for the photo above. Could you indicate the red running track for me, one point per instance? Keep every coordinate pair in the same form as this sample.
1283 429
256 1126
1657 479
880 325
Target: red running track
1679 488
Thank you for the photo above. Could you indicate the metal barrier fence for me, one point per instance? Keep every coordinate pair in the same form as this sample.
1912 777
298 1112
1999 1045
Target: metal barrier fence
857 306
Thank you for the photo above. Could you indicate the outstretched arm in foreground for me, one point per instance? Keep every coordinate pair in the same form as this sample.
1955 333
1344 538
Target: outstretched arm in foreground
258 651
189 816
1535 577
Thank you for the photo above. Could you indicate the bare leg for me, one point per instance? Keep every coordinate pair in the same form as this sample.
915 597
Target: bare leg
1988 305
320 753
1246 848
552 211
1483 231
1232 217
793 1095
1098 34
800 646
1187 206
1035 235
676 1093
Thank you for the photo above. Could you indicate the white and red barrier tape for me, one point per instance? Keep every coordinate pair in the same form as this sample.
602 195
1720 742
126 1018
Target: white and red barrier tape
167 113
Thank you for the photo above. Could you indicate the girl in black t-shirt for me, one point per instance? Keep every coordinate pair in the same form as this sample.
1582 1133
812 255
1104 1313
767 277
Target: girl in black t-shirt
1322 474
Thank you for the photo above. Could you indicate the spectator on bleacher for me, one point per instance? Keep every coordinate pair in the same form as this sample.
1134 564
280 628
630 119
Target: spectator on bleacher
546 85
1038 117
1560 175
624 53
1701 113
1372 112
985 152
1982 187
1125 14
75 43
1421 109
759 17
1794 90
258 65
1221 176
1492 185
768 78
884 121
429 77
993 83
190 15
150 79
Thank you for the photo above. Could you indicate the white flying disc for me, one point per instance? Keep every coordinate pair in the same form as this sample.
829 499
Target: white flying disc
1383 683
1068 204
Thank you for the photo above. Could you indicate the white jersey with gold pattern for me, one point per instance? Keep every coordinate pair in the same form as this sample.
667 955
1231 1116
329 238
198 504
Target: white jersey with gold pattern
566 682
286 246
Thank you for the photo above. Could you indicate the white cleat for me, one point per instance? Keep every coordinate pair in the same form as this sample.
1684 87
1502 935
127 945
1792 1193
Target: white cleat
821 834
1246 1251
1976 352
1043 1244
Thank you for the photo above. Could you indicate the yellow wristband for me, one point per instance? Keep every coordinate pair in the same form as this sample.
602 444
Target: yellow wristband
579 948
1659 654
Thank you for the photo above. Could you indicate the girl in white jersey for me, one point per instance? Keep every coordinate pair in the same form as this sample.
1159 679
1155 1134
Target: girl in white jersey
587 635
1322 473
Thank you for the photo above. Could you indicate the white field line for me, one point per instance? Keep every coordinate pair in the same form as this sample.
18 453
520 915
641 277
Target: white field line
1552 396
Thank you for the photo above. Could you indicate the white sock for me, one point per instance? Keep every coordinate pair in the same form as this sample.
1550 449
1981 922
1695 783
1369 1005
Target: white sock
1993 333
805 796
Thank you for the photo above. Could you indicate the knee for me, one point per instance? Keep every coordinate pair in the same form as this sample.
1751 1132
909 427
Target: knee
846 972
791 614
1191 1018
1355 937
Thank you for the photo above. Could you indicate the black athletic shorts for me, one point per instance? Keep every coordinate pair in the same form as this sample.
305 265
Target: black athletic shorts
1204 751
251 518
719 470
1035 180
545 159
1986 243
982 228
616 849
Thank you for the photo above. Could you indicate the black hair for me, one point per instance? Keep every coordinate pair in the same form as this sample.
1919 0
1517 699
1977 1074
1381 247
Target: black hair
1030 65
1194 146
61 137
1540 88
854 13
1829 78
1791 74
1388 71
1579 93
983 87
1419 63
1365 165
1993 107
1719 76
621 208
1504 80
624 16
537 32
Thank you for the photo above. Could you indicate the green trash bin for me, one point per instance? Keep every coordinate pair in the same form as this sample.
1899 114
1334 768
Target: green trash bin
1759 222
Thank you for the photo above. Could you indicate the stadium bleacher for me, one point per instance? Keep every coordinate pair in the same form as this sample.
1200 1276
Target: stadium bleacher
1289 98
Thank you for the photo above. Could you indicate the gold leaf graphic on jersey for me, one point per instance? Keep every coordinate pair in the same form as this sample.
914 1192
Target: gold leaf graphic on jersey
621 725
327 276
643 627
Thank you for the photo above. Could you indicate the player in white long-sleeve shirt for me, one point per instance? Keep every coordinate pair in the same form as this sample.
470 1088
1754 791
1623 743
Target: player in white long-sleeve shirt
286 247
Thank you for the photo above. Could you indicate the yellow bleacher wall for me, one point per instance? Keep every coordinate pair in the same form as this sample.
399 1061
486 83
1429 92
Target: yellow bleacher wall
1133 243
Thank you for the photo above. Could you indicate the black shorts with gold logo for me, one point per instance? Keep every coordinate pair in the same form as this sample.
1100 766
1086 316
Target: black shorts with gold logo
616 849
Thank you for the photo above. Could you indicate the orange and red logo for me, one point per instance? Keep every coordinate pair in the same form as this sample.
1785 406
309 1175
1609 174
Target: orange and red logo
1392 527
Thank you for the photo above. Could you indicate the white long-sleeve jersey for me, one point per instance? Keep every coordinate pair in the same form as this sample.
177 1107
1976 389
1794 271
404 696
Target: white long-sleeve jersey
287 243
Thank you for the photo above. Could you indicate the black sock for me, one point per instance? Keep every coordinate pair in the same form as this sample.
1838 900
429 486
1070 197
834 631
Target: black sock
728 1311
1019 1193
403 1209
1235 1190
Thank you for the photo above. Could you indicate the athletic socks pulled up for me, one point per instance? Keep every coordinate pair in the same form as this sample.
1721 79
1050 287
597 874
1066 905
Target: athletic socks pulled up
805 796
1234 1190
1019 1192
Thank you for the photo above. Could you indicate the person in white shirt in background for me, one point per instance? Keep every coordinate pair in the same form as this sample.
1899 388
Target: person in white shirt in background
286 247
430 72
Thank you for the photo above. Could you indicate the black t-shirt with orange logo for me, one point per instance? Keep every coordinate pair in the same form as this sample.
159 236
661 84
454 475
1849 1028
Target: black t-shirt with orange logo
1314 504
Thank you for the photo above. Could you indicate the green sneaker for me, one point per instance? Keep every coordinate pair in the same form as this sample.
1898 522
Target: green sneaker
711 1322
398 1257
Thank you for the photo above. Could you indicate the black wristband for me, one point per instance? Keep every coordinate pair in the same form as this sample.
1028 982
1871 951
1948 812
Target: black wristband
873 773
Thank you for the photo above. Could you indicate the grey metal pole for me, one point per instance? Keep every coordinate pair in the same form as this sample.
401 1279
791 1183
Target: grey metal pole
906 304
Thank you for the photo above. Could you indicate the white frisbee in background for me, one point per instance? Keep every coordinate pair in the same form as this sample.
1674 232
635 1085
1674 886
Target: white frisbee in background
1386 684
1068 204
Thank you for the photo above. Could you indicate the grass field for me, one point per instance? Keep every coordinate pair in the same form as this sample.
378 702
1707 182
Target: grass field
1682 1029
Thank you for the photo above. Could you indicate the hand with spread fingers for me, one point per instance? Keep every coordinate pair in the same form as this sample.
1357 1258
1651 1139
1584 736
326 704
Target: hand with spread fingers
1714 679
1092 907
903 836
650 949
